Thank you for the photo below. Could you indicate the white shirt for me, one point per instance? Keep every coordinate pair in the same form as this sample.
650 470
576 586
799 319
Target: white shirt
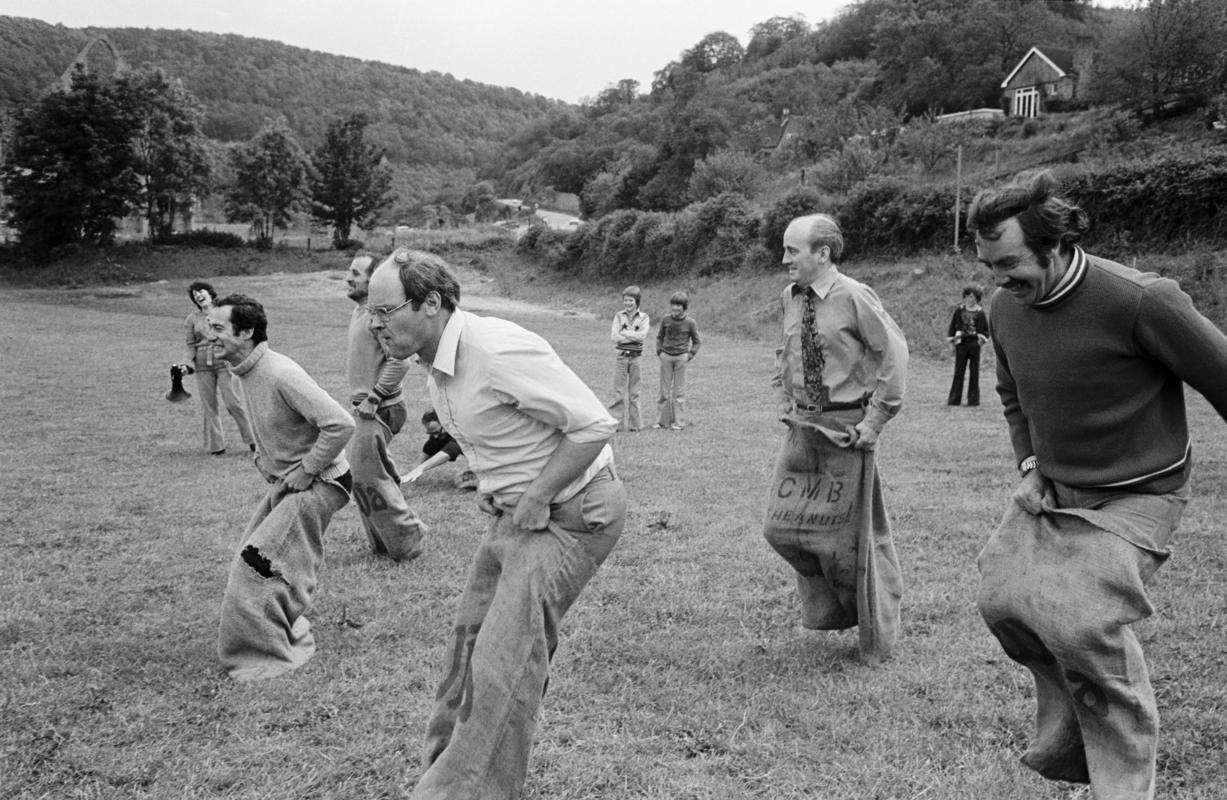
508 400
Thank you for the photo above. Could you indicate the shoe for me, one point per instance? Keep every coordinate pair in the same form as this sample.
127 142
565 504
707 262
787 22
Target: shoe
221 452
658 427
676 427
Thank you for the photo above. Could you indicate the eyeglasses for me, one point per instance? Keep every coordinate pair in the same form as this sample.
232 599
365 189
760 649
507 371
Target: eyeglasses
382 313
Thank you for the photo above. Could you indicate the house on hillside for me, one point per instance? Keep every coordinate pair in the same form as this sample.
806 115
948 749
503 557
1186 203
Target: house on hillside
793 133
1048 76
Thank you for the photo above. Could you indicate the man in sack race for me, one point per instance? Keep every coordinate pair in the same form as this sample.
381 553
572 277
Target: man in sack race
392 528
300 434
538 440
1092 357
839 379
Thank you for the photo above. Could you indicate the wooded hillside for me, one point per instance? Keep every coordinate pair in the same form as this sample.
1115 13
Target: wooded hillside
438 128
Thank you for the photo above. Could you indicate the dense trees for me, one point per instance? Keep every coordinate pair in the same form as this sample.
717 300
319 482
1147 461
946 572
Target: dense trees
435 129
845 99
351 182
80 160
172 163
841 102
69 171
271 173
1169 52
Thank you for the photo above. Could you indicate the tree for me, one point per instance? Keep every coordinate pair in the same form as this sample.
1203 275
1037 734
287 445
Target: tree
726 171
1169 50
611 97
714 51
171 153
928 142
271 180
70 171
769 35
351 182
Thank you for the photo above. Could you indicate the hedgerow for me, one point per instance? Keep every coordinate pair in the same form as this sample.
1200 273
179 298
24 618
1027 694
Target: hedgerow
1151 203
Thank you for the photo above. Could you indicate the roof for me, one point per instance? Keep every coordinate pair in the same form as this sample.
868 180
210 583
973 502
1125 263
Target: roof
1060 59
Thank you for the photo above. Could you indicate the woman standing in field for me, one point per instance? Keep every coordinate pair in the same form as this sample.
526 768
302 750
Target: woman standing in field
212 377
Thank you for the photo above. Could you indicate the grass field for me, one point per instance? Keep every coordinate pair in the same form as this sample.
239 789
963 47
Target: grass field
682 674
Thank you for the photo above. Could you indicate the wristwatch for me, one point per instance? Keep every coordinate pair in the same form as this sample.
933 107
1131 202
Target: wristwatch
1029 463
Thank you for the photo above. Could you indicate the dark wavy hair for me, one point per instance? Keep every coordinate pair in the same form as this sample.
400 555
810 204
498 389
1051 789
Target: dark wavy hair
198 286
1047 220
246 314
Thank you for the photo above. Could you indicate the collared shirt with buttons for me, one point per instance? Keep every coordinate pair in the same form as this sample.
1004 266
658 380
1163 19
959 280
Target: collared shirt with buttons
508 399
864 349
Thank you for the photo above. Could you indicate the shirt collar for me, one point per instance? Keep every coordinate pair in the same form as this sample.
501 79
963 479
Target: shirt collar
449 343
1069 282
821 287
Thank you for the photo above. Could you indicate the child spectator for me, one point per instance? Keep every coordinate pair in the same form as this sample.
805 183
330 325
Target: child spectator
968 330
628 332
677 342
439 449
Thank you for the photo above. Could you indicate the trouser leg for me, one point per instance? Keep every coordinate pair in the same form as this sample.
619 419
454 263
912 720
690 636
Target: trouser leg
262 632
520 585
618 404
206 389
955 396
973 376
391 527
633 421
679 390
664 401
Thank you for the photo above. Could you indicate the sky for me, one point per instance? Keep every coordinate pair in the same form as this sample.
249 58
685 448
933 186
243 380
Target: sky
567 51
562 50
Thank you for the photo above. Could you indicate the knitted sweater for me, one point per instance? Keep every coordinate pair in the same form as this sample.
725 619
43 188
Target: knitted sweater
369 368
677 337
1091 378
293 420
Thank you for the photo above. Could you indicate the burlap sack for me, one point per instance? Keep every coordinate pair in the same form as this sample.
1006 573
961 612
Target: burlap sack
826 518
1059 590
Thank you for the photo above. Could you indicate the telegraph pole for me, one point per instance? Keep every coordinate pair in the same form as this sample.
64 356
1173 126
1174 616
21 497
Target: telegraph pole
958 185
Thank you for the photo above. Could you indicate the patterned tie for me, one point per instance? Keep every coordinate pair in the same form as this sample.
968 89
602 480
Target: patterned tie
812 359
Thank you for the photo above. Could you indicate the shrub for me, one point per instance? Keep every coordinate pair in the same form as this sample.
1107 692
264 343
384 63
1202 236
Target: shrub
204 238
796 203
889 216
713 236
1154 201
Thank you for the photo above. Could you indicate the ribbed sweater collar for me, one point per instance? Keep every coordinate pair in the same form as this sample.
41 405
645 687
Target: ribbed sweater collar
248 364
1070 281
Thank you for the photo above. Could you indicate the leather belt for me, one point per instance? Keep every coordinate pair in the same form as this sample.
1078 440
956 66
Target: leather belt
830 407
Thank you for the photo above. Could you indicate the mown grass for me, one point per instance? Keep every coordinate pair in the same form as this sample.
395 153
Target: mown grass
682 673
